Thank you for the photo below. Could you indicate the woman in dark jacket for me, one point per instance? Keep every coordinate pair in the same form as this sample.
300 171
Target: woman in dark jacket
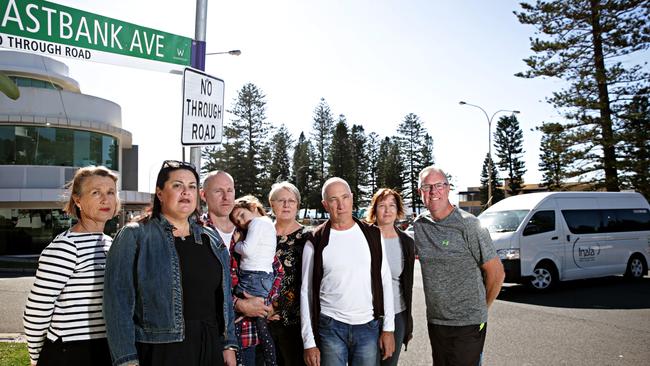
385 208
167 284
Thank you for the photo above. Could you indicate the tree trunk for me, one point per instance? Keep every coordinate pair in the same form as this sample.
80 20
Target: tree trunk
609 151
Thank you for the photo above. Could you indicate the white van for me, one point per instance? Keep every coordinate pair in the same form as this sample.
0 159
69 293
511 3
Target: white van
543 238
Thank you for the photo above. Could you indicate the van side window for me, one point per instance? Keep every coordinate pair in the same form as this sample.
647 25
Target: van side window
583 221
541 222
618 220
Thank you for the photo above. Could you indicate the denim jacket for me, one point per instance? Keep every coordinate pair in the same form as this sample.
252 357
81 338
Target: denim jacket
143 296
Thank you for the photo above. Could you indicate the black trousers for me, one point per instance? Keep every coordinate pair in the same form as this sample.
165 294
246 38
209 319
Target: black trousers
288 343
76 353
457 346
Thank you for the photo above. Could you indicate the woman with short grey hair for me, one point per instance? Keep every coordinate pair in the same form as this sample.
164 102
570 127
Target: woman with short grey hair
284 199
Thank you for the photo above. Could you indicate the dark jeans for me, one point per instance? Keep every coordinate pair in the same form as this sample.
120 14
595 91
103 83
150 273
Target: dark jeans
400 329
288 342
457 346
75 353
343 344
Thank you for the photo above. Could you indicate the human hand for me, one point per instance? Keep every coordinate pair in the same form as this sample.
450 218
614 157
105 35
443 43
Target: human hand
312 356
252 306
386 344
229 358
236 235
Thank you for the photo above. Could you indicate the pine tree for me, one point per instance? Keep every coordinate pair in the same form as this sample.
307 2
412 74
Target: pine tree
554 157
373 144
410 137
389 166
508 141
635 137
321 135
358 142
301 169
497 194
340 158
246 141
585 43
280 163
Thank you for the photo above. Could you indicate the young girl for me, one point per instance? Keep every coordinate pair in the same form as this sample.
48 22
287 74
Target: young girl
257 252
257 249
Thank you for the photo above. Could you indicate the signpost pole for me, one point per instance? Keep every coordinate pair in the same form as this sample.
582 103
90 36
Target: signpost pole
198 62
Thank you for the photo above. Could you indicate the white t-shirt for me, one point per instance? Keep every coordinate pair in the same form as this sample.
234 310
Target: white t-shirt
346 287
258 249
226 237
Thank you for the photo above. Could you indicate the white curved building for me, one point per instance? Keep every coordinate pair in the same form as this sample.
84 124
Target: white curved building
45 135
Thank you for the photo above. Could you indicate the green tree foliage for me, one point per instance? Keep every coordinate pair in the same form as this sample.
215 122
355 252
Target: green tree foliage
411 140
281 142
245 148
301 171
340 159
389 166
635 145
373 143
555 155
509 140
358 143
497 194
321 136
585 44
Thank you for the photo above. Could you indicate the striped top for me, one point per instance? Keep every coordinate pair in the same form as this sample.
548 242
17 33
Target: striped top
66 298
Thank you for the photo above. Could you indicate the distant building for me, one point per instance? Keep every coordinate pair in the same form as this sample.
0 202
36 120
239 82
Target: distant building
470 200
45 136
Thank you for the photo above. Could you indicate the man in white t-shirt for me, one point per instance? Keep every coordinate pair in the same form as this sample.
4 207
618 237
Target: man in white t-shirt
346 300
218 192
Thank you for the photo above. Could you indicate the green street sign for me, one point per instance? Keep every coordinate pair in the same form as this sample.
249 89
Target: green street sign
53 29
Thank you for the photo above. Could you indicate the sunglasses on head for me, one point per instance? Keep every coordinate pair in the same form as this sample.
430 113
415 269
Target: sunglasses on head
175 164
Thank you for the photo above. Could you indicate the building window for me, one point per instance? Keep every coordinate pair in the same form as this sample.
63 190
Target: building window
34 83
26 145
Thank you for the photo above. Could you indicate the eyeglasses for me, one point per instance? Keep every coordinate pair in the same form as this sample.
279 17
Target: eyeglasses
438 186
175 164
289 202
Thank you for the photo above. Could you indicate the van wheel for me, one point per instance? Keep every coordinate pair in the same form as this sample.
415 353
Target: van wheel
544 277
636 267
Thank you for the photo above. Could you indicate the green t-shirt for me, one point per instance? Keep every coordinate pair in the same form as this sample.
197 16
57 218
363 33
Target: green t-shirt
451 252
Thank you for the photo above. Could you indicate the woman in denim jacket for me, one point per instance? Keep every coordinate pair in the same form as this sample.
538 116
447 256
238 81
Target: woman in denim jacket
167 286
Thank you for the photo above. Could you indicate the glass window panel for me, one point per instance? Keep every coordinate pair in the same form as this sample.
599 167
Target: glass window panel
25 145
583 221
81 148
7 145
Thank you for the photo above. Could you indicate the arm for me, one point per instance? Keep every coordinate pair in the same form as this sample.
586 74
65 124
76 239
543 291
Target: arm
119 296
386 339
55 266
259 233
311 354
494 275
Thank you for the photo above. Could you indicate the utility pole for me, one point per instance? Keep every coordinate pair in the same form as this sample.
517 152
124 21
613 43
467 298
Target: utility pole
198 62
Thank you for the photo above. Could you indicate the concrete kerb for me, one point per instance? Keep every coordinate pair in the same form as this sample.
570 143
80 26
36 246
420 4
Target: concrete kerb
13 337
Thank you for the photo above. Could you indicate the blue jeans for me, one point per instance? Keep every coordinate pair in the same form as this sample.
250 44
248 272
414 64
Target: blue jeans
256 283
400 329
342 344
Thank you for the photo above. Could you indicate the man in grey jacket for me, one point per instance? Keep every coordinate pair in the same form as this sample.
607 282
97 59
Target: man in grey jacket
461 271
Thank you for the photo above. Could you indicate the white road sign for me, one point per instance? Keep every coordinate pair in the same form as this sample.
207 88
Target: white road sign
202 108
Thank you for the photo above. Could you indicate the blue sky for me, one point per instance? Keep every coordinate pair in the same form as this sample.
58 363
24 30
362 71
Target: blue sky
374 61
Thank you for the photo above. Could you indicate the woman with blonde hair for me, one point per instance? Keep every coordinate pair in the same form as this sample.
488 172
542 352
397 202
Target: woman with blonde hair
63 316
386 207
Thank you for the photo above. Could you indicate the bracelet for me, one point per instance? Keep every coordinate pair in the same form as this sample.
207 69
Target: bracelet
230 348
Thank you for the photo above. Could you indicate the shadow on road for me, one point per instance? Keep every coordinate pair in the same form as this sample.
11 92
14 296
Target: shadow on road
600 293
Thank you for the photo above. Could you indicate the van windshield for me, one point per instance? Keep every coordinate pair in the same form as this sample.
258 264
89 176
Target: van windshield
502 221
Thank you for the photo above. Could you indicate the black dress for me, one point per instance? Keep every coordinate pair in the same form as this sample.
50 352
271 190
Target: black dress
201 276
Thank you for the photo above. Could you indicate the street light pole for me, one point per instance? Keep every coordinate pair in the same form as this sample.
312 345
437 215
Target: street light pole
489 120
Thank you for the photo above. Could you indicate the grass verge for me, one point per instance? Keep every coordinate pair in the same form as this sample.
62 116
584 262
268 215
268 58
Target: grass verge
13 354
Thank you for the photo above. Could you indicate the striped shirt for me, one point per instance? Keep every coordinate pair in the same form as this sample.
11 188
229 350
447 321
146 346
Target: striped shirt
66 298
